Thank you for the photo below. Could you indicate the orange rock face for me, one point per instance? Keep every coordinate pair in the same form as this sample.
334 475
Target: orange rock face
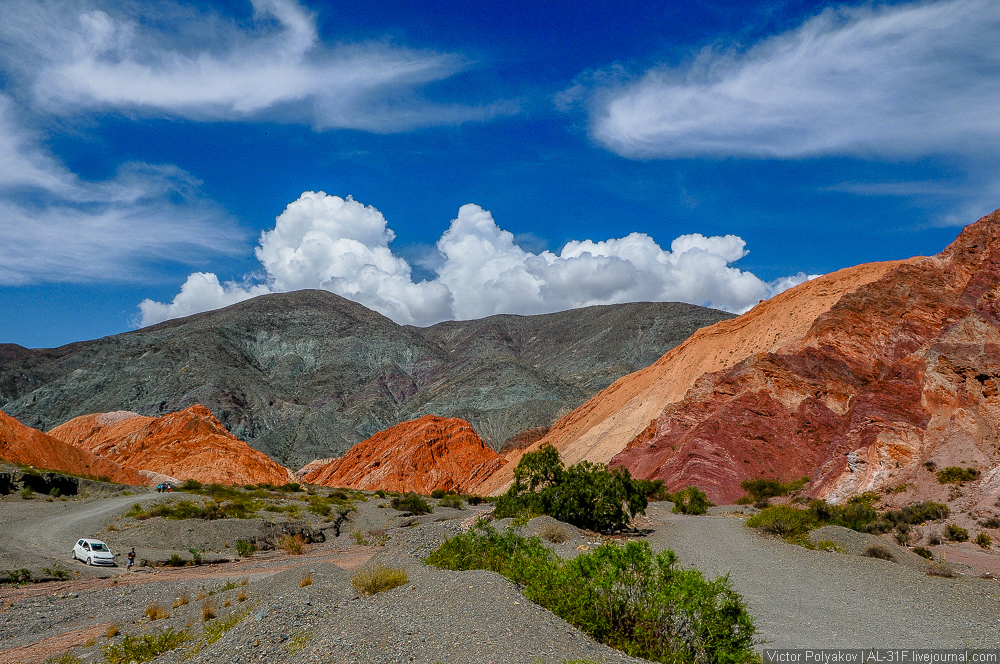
24 445
188 444
605 424
901 370
420 455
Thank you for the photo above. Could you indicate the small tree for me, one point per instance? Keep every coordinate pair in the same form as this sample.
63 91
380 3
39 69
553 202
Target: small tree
587 495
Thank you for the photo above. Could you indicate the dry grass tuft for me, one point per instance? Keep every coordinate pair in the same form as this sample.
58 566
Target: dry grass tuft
207 610
201 595
89 642
307 580
555 534
112 632
371 580
292 544
185 598
226 604
242 597
156 612
941 568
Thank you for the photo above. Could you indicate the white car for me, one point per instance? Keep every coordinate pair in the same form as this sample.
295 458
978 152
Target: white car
93 552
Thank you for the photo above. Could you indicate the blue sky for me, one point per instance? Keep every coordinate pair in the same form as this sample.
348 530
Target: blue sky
444 159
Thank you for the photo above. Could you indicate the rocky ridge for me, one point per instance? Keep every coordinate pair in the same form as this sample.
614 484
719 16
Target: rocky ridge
901 376
30 447
189 444
605 424
422 456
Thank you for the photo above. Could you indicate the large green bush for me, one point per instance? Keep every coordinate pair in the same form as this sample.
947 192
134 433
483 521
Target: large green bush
626 596
588 495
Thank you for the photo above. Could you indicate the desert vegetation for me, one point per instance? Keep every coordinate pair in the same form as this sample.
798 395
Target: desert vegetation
793 523
587 495
626 596
411 505
378 578
957 475
760 491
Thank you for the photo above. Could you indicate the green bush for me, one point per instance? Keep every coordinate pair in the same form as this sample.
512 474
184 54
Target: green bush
189 485
858 514
143 648
984 540
587 495
761 489
956 475
923 553
438 494
784 521
176 560
453 501
992 522
16 576
639 602
411 504
956 533
691 500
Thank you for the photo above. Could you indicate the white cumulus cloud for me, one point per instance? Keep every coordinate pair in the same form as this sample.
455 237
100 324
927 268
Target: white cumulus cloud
341 245
167 58
893 80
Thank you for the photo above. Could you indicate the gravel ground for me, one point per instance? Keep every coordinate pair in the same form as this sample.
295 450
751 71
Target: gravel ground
817 599
798 597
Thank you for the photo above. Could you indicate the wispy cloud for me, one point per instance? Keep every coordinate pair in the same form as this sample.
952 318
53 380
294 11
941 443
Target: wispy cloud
884 80
56 227
340 245
165 58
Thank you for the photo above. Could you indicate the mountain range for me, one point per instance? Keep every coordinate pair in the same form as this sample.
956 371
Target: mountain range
308 374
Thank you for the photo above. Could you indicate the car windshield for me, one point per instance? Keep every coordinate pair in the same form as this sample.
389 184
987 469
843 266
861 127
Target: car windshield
97 546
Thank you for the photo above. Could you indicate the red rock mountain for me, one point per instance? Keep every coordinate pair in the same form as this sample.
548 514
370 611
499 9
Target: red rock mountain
418 455
900 372
188 444
855 379
31 447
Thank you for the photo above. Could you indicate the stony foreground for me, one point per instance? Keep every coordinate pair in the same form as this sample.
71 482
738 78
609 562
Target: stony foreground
798 597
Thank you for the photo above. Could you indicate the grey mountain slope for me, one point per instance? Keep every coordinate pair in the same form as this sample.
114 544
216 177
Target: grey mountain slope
308 374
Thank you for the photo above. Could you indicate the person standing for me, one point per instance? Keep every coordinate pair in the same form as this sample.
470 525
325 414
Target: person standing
131 559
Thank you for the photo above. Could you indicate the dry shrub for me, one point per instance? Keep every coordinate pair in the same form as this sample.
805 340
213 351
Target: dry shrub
371 580
185 598
880 552
244 581
307 580
226 604
207 610
202 595
941 568
89 642
156 612
555 534
292 544
242 597
111 528
112 632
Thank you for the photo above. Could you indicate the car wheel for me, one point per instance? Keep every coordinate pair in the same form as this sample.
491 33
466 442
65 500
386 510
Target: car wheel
90 561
